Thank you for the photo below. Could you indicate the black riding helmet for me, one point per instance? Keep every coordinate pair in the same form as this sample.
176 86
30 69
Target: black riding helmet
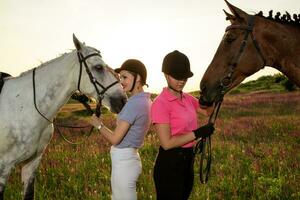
177 65
135 66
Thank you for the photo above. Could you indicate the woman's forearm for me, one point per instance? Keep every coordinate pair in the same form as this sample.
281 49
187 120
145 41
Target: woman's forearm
110 136
177 141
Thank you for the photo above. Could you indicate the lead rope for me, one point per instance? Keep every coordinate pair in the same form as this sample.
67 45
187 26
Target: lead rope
97 113
203 147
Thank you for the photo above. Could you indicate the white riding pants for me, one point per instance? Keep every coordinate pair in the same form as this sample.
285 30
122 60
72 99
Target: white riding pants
126 168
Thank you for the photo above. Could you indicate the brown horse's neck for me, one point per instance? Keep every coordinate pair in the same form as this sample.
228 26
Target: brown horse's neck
281 47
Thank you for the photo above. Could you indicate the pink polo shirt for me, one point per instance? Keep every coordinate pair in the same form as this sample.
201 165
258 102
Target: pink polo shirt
180 114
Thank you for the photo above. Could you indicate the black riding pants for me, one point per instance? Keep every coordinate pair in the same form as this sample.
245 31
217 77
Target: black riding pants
174 174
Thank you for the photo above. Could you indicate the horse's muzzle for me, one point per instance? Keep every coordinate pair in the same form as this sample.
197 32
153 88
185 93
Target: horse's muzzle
117 103
204 103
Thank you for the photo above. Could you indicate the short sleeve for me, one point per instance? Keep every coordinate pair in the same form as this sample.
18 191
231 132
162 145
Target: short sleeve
160 113
129 113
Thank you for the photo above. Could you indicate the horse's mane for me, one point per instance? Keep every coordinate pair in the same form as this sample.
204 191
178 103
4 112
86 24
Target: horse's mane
61 56
46 63
285 18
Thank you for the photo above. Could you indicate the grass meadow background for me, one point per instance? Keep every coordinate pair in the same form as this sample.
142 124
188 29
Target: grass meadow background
255 149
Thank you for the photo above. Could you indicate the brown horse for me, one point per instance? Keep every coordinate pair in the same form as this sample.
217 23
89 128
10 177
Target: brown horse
250 43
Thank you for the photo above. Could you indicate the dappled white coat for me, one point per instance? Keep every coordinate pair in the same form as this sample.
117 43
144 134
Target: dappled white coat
24 133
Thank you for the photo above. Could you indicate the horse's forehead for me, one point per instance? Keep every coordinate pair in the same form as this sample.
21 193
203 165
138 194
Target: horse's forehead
92 50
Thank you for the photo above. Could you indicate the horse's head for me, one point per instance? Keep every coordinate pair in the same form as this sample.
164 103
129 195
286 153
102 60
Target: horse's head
238 56
97 80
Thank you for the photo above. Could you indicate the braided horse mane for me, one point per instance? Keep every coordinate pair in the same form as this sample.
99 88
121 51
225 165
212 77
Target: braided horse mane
286 18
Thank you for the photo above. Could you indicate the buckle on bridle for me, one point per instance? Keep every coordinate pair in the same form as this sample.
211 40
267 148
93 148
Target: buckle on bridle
101 96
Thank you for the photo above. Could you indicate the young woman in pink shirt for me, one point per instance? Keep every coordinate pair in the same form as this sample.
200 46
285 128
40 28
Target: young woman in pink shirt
174 115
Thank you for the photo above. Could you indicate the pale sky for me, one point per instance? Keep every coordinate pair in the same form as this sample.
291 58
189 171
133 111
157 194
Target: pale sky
35 31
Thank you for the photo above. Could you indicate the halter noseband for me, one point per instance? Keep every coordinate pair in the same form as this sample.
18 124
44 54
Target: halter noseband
93 80
249 30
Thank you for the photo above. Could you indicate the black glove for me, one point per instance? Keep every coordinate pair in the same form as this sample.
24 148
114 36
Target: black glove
204 131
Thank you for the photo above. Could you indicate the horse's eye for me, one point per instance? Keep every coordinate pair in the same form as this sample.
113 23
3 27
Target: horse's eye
98 67
229 38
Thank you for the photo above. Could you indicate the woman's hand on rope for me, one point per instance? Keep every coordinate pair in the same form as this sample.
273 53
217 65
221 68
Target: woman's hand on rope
204 131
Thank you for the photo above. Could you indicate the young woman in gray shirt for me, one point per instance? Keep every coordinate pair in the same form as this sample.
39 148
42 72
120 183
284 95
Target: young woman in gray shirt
133 122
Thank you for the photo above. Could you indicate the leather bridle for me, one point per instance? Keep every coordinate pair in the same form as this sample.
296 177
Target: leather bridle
93 80
203 146
226 81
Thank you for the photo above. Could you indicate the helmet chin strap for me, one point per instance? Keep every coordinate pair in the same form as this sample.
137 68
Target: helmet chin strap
178 91
134 80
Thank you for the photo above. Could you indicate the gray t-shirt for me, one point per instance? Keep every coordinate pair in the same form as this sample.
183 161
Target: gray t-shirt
137 113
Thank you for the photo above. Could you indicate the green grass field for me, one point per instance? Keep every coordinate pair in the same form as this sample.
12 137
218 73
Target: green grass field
256 155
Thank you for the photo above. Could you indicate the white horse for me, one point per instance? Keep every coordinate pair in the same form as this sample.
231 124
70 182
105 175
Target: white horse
25 121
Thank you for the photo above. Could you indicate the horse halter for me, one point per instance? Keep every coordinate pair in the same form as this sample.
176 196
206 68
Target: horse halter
203 146
93 80
226 81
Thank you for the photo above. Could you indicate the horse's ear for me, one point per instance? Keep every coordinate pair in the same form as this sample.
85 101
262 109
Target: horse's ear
77 43
238 13
229 16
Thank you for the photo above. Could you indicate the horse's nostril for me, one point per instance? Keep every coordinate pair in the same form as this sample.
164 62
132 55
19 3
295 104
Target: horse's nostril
201 101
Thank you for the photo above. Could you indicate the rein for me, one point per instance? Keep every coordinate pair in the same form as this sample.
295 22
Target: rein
93 80
203 146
